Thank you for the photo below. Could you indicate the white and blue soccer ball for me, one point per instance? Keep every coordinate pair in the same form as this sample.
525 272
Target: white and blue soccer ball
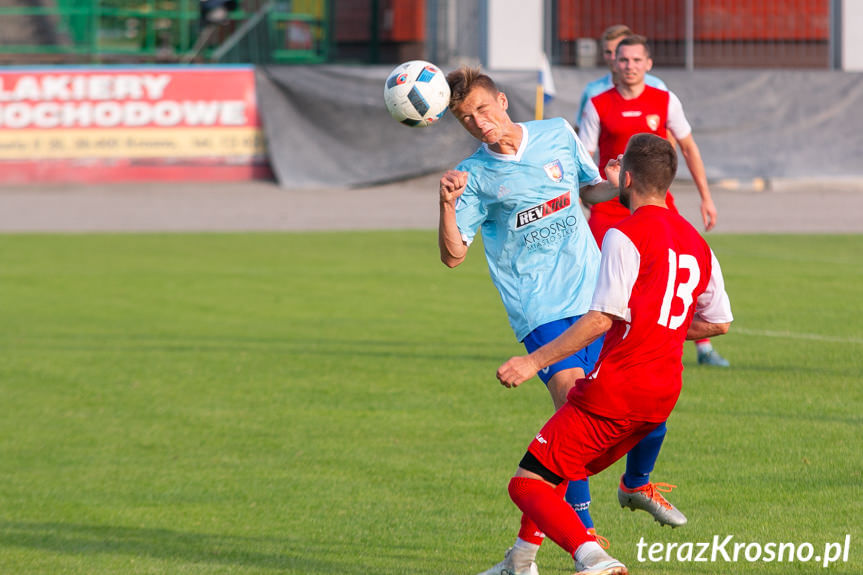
416 93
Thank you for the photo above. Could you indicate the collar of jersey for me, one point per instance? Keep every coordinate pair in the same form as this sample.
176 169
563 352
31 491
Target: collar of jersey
516 157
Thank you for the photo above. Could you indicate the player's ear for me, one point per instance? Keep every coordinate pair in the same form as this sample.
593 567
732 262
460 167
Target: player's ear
627 179
649 64
501 98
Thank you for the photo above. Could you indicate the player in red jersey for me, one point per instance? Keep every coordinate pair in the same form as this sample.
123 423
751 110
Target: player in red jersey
659 284
633 107
609 119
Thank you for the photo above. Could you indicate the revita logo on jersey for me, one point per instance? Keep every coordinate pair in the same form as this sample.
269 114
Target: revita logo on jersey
538 236
540 211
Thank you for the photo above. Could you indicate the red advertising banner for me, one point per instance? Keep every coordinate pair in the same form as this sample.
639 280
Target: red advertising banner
114 124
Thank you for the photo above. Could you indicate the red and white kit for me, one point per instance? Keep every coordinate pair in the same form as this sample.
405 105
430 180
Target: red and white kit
657 272
609 121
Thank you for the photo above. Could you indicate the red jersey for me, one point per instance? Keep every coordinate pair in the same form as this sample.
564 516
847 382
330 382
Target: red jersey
656 272
619 120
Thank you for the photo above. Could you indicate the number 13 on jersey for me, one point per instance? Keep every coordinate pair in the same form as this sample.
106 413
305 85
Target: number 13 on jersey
683 291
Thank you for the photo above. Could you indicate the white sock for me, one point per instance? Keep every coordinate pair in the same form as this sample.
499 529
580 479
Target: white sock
523 554
585 549
704 346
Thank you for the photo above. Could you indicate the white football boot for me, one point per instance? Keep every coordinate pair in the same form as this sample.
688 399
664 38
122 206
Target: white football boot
507 567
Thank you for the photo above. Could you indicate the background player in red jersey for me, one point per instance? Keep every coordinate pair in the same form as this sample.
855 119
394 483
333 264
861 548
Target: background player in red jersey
609 40
659 284
632 107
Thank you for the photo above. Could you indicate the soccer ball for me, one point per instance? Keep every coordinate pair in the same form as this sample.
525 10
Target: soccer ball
417 93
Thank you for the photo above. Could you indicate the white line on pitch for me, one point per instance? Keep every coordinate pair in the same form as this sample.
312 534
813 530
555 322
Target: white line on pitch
795 335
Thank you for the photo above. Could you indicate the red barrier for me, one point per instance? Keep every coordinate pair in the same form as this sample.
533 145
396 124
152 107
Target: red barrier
665 20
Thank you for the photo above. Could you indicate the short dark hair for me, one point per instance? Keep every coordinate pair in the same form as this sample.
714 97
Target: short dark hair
652 161
615 32
465 79
636 40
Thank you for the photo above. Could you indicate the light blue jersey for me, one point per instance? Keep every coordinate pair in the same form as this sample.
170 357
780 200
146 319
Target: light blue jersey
541 255
599 86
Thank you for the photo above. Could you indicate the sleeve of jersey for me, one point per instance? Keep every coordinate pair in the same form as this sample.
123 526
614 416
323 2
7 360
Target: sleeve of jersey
588 127
713 305
581 104
618 270
677 122
470 213
588 173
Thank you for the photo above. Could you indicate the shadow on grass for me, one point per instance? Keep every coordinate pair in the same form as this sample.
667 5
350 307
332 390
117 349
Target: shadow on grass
168 545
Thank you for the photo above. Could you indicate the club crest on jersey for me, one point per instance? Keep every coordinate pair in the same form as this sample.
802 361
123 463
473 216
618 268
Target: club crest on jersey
652 121
554 170
536 213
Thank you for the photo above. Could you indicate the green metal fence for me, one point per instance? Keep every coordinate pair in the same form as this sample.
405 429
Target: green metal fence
146 31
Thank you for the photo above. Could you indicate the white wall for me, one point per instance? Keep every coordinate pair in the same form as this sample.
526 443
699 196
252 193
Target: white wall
515 34
852 40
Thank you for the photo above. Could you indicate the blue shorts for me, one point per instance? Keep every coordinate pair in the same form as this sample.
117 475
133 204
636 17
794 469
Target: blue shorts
547 332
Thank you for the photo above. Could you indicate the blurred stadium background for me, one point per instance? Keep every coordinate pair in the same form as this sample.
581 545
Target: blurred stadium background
141 90
690 33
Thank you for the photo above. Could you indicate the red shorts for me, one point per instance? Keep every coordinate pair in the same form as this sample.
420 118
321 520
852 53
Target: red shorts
575 444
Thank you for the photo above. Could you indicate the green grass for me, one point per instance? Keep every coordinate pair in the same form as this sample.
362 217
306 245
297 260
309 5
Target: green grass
325 403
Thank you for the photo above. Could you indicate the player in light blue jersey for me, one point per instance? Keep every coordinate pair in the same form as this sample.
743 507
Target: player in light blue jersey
611 37
521 190
534 231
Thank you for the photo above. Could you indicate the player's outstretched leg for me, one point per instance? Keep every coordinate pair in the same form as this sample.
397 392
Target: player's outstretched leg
558 520
709 356
520 559
637 492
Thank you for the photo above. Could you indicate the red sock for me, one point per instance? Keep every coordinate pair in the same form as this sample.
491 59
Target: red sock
529 531
549 512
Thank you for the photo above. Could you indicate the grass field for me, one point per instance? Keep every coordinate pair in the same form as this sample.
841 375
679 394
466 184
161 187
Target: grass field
325 403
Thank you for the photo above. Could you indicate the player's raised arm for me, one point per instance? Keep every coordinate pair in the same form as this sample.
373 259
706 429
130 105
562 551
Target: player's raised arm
607 190
452 247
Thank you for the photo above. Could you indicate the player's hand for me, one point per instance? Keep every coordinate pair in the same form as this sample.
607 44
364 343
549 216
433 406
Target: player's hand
452 185
708 213
517 370
612 171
